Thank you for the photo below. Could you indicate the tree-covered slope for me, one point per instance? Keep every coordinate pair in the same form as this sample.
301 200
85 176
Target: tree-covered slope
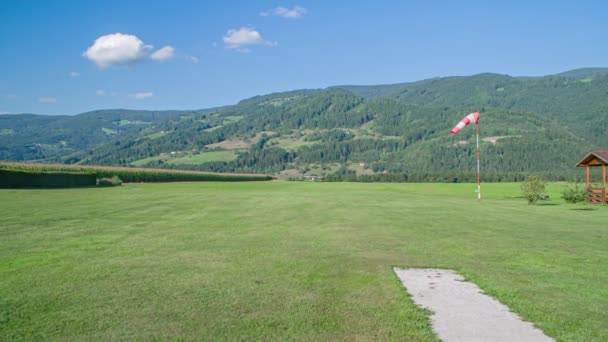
333 131
41 137
537 125
577 100
584 72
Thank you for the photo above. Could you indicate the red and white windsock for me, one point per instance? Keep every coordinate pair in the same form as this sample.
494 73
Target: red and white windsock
471 118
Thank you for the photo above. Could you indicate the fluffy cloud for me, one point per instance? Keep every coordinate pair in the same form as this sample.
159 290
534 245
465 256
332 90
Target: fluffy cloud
123 49
284 12
116 49
73 74
163 53
235 39
47 100
100 92
141 96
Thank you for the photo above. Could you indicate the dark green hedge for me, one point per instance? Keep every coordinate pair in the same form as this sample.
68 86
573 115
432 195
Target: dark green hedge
32 179
128 176
132 175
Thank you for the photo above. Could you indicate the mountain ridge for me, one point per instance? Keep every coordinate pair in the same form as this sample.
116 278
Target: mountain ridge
535 125
583 72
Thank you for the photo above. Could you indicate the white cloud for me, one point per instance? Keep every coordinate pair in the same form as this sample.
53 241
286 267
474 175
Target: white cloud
47 100
141 96
163 53
73 74
234 39
116 49
2 113
295 12
100 92
192 59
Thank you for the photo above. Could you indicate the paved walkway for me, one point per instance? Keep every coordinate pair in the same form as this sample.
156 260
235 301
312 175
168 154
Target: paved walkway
461 312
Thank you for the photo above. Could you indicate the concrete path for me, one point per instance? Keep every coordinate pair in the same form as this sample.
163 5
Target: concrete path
461 312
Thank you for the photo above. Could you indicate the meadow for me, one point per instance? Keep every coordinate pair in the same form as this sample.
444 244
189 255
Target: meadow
288 260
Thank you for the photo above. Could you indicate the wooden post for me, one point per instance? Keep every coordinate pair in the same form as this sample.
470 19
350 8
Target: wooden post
604 181
588 186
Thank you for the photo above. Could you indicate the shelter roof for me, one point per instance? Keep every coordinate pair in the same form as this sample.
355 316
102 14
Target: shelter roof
595 158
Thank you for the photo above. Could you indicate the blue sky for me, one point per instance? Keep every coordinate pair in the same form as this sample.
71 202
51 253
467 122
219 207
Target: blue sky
64 57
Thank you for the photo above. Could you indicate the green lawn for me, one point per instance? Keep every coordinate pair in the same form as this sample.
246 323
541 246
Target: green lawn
288 260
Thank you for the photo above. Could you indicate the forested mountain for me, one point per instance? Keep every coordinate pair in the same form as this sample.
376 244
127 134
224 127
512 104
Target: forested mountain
31 137
529 125
578 99
584 72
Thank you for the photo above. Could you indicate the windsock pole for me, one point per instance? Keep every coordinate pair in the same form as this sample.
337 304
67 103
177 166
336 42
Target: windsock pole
478 167
473 117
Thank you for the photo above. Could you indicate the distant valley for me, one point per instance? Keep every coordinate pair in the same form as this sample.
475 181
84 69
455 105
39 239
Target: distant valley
399 132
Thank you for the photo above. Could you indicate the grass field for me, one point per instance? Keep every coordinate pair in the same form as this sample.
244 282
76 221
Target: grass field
288 260
200 158
190 159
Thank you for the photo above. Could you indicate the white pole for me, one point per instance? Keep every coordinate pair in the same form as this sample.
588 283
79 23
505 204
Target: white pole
478 168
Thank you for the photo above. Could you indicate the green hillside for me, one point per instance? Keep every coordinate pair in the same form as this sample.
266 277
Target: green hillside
585 72
536 125
45 137
577 100
333 131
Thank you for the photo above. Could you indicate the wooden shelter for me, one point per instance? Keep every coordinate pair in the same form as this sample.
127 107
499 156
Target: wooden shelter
597 158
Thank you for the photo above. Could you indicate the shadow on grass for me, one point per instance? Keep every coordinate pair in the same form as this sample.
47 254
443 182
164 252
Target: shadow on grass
585 209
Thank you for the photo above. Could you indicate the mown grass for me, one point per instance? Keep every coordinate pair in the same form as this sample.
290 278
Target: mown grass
288 260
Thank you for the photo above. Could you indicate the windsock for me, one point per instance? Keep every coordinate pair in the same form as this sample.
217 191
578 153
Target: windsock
473 117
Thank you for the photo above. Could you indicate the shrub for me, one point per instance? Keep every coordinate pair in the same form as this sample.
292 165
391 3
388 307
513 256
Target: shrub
574 194
533 189
114 181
